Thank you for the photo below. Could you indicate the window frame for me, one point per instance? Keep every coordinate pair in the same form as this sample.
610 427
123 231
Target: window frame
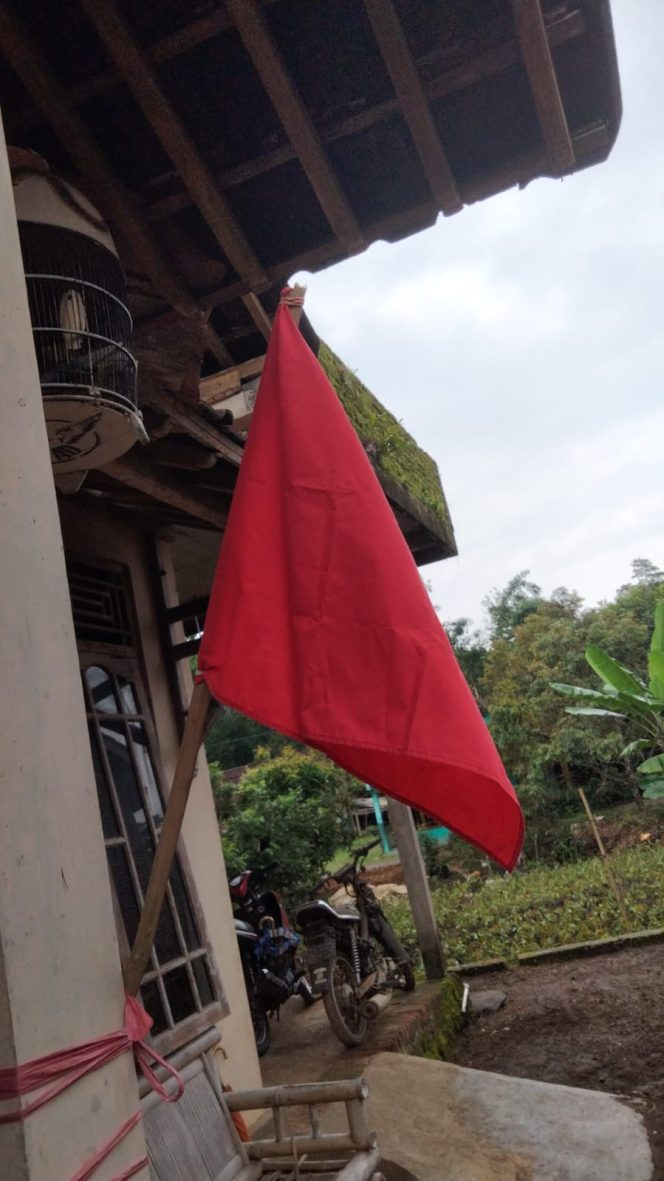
124 662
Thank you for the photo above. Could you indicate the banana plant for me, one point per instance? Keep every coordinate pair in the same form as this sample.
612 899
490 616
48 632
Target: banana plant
625 695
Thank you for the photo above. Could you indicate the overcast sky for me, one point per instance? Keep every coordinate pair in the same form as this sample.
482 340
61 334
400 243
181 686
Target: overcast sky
521 343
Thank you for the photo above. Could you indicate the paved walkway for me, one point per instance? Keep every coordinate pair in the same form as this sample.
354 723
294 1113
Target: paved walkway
305 1050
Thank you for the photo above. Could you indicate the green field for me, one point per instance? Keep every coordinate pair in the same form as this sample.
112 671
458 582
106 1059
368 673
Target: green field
543 907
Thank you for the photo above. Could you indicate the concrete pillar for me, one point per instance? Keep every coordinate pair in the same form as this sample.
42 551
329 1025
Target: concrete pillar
419 894
60 980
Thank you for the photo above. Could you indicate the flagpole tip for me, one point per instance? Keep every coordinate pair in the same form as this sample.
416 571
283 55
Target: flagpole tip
293 299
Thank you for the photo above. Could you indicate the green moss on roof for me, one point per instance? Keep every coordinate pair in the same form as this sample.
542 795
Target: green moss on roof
389 444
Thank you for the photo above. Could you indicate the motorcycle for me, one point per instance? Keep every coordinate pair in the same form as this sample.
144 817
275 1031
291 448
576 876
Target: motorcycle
353 957
268 951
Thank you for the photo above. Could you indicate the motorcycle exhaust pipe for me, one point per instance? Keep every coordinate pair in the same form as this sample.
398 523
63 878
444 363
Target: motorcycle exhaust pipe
375 1005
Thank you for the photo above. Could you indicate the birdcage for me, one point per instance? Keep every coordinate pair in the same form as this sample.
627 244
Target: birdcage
81 324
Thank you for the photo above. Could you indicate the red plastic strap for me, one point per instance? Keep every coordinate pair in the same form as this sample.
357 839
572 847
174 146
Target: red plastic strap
66 1067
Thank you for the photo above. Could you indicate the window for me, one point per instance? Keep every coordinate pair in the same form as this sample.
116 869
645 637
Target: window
179 983
180 987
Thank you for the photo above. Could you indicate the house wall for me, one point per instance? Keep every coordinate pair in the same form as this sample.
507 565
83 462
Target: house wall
98 534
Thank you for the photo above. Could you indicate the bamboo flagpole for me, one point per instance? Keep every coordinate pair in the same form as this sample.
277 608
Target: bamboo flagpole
192 740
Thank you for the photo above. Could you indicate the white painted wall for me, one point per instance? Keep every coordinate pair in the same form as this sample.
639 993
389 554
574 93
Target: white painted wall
60 980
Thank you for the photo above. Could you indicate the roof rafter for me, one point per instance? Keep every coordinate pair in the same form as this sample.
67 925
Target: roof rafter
49 96
485 64
297 122
520 172
140 476
413 102
180 147
541 71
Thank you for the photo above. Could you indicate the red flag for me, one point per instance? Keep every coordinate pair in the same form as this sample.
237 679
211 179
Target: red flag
319 625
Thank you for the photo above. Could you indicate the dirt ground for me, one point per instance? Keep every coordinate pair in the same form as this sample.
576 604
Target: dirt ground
596 1023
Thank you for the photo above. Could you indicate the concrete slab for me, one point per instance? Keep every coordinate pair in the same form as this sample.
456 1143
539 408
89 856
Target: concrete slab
436 1121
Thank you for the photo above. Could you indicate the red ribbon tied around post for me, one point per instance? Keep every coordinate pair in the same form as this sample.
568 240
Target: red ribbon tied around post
56 1072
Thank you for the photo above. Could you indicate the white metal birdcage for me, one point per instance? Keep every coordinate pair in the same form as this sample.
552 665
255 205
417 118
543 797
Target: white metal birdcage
80 320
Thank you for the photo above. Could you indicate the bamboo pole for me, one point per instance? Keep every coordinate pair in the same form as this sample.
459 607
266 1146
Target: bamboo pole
613 881
192 739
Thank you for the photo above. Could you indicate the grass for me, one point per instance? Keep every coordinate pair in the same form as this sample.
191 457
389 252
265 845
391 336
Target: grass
544 907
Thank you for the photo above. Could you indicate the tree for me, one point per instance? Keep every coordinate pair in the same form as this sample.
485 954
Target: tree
233 739
470 649
300 801
510 607
624 695
646 573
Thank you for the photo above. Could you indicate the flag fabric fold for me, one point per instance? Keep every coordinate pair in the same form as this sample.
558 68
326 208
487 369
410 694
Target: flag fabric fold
319 624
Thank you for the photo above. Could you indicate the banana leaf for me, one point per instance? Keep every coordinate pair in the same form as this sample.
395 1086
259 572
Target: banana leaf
654 766
612 673
656 670
652 787
589 712
632 747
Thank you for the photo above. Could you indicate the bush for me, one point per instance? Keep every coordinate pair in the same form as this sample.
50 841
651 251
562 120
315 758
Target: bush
300 803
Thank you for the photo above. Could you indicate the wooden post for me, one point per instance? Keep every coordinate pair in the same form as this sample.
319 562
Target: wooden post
419 894
192 738
613 882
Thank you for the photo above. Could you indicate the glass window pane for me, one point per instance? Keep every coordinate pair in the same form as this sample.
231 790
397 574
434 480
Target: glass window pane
180 996
127 696
102 691
124 889
109 821
184 908
203 982
146 770
167 944
152 1004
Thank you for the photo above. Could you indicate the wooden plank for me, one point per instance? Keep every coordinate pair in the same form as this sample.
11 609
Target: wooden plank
419 893
174 137
192 739
258 314
218 386
140 476
541 71
297 122
413 102
192 423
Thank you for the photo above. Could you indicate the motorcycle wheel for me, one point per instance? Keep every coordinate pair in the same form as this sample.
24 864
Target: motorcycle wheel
262 1031
342 1004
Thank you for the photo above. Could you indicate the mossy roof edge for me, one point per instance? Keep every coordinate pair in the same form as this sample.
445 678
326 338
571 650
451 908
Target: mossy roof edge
389 444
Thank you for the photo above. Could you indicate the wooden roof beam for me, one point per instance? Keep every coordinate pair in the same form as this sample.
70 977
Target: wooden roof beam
180 147
135 473
413 102
520 172
191 422
486 64
541 71
26 60
297 122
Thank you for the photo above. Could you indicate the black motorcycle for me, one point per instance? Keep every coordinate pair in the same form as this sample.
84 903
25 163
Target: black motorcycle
269 951
353 957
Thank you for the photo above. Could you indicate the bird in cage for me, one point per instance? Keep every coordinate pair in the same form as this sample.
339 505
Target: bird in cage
73 321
